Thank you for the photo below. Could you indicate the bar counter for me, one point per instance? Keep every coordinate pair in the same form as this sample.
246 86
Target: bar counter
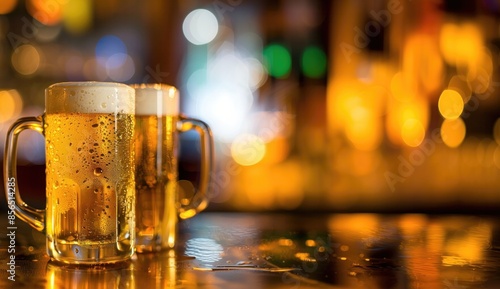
286 250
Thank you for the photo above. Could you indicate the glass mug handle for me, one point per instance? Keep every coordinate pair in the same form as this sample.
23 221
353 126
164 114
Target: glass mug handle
34 217
199 201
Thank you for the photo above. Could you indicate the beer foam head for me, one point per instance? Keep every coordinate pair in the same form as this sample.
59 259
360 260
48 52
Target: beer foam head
156 99
90 97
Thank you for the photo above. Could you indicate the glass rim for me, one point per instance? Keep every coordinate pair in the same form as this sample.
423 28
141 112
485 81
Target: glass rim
153 86
73 84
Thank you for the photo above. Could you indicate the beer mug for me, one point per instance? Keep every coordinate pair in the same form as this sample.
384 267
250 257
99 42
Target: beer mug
158 206
90 210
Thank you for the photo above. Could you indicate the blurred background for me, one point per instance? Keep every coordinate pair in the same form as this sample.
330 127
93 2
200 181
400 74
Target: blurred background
342 106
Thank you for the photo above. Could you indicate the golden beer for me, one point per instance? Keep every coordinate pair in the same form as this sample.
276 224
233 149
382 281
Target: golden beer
158 205
90 193
90 172
156 177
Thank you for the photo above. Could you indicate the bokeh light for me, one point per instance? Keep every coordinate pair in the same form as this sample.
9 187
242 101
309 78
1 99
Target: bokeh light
400 112
459 84
222 92
480 71
314 62
196 79
230 67
362 128
46 12
200 27
248 149
6 6
12 104
271 125
412 132
400 89
277 60
224 107
112 61
422 62
77 16
257 75
462 44
123 72
450 104
358 111
47 33
26 59
453 132
108 47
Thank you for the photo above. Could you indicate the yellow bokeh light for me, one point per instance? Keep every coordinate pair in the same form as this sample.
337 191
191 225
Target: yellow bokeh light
422 62
77 16
364 135
259 194
359 110
248 149
276 150
461 45
351 97
400 112
459 84
12 104
450 104
480 68
400 87
481 83
413 132
453 132
6 6
446 41
26 59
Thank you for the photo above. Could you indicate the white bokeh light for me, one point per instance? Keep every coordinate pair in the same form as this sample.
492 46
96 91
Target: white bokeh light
200 26
225 108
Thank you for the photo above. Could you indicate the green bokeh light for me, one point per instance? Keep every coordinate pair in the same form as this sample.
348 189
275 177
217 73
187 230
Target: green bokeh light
313 62
278 60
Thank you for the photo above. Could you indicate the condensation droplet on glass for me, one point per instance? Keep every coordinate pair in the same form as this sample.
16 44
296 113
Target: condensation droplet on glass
97 172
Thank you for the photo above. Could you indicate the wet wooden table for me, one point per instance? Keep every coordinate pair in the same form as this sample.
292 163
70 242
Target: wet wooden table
236 250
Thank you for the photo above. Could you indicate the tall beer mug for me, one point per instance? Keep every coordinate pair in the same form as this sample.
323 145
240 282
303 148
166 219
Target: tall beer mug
158 205
90 211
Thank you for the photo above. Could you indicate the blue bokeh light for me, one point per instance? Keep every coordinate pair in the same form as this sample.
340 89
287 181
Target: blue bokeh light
111 52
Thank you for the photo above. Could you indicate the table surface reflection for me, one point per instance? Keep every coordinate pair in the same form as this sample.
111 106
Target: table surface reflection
236 250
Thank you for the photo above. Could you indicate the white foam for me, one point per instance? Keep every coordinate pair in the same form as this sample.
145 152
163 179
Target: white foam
156 99
90 97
